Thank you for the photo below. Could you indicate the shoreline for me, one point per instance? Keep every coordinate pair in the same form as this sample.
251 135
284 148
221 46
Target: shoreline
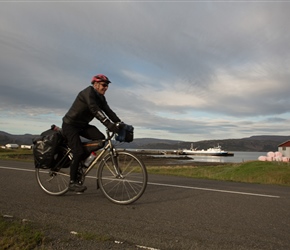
175 161
148 160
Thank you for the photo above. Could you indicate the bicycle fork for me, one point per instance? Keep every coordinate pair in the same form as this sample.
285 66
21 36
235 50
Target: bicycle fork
114 156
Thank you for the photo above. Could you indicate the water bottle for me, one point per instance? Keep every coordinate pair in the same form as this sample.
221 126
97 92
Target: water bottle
89 160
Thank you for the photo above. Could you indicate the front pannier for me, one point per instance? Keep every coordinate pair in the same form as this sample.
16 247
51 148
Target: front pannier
126 134
45 148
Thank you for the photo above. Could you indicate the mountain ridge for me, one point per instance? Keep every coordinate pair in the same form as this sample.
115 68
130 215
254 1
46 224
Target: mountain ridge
258 143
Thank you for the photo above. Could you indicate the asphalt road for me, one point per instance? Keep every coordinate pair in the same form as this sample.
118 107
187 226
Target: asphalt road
174 213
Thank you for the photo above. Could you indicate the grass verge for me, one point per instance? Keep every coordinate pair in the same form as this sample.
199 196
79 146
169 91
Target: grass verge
16 154
251 172
17 234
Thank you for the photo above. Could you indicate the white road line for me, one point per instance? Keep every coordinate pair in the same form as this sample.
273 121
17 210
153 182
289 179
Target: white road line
138 246
20 169
213 190
175 186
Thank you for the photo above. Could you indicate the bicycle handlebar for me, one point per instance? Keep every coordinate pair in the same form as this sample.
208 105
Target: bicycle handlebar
120 125
109 135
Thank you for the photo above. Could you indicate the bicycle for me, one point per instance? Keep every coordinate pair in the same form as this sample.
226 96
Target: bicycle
121 176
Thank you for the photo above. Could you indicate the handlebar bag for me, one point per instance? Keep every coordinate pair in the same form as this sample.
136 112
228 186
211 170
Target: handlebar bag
126 134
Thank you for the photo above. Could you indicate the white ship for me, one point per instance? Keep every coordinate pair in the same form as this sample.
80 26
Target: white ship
215 151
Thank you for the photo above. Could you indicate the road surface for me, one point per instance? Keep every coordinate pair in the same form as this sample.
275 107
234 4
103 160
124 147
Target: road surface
173 213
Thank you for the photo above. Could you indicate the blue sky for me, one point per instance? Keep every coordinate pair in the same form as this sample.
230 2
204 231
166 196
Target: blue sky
181 70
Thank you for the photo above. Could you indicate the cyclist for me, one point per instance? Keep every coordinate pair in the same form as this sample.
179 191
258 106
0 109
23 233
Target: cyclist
90 103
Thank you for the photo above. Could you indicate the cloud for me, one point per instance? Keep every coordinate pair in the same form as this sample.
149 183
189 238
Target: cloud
178 69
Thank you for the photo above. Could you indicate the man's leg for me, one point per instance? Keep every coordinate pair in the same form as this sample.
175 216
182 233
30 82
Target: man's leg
93 133
73 137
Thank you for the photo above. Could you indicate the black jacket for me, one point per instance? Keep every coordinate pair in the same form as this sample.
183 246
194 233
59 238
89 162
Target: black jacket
86 107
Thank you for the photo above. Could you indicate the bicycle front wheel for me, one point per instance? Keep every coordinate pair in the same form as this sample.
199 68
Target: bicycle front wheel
127 183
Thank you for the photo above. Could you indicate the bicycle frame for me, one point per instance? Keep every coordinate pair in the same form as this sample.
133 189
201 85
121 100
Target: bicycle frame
109 147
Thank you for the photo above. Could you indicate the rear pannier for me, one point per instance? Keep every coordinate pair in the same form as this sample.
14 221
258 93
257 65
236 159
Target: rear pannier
45 148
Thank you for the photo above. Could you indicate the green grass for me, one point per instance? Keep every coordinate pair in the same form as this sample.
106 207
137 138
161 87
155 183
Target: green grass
16 234
250 172
16 154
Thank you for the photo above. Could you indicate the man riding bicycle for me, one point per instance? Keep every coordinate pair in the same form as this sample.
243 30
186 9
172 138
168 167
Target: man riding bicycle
90 103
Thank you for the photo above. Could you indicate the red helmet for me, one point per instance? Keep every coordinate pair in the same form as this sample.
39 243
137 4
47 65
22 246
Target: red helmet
100 78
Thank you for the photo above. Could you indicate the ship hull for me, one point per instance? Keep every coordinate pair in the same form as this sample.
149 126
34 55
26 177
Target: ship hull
205 153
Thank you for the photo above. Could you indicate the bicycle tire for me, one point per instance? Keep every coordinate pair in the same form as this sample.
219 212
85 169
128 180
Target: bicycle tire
128 188
55 182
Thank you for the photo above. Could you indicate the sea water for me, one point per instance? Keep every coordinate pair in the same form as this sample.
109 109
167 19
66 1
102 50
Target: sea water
238 157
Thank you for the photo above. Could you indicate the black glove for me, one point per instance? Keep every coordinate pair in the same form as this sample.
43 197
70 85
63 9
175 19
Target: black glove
121 125
111 126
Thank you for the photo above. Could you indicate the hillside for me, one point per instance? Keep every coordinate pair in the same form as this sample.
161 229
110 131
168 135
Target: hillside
17 139
261 143
252 144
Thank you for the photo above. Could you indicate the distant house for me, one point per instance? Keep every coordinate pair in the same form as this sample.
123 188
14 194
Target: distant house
12 146
26 146
284 148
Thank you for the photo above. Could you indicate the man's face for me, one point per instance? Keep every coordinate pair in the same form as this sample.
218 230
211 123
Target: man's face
101 87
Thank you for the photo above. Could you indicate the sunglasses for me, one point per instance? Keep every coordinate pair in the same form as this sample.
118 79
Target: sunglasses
105 85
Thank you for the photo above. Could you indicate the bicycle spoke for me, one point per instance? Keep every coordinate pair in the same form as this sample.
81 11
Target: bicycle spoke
110 168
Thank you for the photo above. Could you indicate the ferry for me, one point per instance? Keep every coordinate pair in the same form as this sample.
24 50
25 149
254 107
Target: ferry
215 151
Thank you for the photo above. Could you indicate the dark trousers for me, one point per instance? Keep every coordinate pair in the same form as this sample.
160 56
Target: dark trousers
72 134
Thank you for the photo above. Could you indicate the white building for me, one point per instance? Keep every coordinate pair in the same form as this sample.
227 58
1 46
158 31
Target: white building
284 148
12 146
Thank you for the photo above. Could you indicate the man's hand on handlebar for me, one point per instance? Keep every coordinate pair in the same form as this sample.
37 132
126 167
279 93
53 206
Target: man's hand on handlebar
120 125
111 126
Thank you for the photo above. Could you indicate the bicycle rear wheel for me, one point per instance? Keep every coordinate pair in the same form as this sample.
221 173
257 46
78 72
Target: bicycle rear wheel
55 181
127 187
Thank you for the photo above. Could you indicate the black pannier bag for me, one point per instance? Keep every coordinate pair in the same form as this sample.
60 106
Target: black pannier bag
45 148
126 134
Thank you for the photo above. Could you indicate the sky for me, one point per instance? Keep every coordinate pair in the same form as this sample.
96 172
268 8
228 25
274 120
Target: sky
180 70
